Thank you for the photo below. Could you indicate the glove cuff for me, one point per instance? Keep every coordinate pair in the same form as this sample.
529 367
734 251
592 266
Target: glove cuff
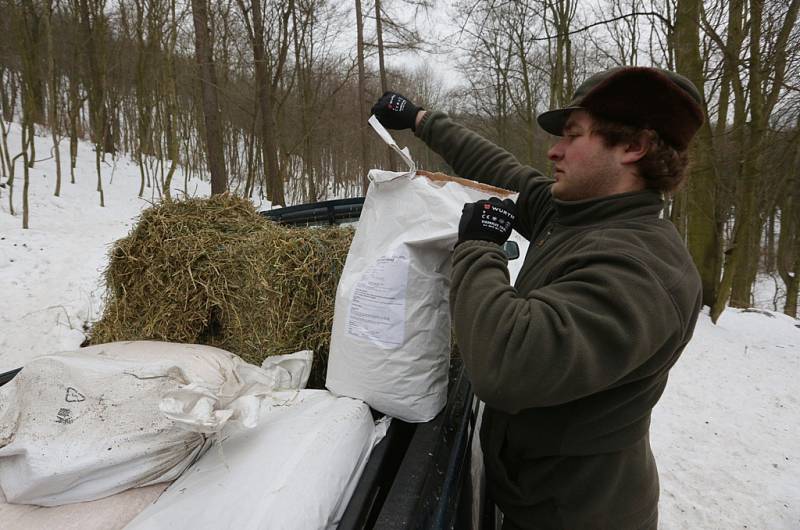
482 238
464 244
418 129
414 121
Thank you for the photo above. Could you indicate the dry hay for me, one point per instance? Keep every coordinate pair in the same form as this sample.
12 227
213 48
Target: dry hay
214 271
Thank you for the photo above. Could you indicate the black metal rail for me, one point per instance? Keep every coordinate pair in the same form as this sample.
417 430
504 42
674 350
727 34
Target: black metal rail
326 212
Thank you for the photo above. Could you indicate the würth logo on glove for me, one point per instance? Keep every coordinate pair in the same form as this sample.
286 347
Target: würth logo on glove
497 219
397 103
490 220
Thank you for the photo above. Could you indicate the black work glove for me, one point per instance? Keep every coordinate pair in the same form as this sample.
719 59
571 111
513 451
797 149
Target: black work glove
490 220
396 112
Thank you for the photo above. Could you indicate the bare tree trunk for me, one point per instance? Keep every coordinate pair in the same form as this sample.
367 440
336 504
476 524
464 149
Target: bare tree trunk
144 56
703 229
171 104
790 306
8 91
5 156
73 111
787 260
382 69
769 257
27 22
26 177
275 192
528 105
562 76
362 96
11 163
302 73
676 211
3 149
208 87
765 81
93 24
730 51
268 70
52 83
250 145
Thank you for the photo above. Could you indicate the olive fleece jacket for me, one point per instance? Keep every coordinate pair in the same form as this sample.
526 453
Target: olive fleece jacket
571 359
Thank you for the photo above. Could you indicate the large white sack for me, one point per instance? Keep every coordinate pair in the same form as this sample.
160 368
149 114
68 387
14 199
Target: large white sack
78 426
390 343
296 470
108 513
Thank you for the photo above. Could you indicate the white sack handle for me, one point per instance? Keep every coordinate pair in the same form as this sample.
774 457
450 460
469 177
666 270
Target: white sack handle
404 153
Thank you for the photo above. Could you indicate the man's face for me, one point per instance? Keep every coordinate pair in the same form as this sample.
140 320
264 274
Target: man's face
584 167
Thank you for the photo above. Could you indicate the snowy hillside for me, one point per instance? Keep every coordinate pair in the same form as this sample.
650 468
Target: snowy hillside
726 434
50 273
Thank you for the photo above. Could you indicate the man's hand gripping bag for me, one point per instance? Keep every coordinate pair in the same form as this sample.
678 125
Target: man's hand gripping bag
390 344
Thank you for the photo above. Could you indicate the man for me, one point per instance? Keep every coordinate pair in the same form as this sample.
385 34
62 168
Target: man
571 359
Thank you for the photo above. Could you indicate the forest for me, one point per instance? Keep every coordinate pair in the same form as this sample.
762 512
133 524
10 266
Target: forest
271 98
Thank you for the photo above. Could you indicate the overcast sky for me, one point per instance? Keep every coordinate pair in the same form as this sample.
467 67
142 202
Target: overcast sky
440 26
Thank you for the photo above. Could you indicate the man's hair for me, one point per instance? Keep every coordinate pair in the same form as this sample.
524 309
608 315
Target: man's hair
663 168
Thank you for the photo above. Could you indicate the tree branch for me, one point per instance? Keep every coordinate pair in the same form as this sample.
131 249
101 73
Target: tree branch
608 21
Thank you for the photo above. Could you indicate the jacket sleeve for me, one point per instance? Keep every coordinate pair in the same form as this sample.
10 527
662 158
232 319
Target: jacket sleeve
476 158
582 333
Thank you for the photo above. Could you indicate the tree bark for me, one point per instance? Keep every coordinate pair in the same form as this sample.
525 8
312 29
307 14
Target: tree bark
52 83
787 260
93 26
171 103
26 177
275 192
208 87
765 81
302 73
703 227
382 70
362 96
762 101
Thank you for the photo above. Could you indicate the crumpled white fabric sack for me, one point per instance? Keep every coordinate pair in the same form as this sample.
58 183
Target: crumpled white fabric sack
390 343
296 470
78 426
206 406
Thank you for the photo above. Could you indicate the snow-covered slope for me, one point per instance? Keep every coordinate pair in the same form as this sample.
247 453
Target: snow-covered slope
50 274
726 433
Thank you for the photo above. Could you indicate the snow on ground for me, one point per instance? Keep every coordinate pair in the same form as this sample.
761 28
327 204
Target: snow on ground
726 433
769 292
50 273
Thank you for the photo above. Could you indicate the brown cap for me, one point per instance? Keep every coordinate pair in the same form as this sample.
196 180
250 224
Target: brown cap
649 98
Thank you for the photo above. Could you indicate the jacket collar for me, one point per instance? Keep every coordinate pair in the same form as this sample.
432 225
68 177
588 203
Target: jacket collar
631 205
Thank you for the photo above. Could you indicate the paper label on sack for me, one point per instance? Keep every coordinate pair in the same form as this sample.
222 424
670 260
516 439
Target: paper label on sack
378 307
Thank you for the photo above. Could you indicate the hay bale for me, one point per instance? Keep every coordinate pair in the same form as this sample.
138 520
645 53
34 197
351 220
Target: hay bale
214 271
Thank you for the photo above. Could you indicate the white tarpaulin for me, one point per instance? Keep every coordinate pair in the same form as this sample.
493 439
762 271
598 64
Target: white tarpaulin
78 426
390 344
296 470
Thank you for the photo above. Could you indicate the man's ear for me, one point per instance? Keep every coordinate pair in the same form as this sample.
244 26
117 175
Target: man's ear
635 150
